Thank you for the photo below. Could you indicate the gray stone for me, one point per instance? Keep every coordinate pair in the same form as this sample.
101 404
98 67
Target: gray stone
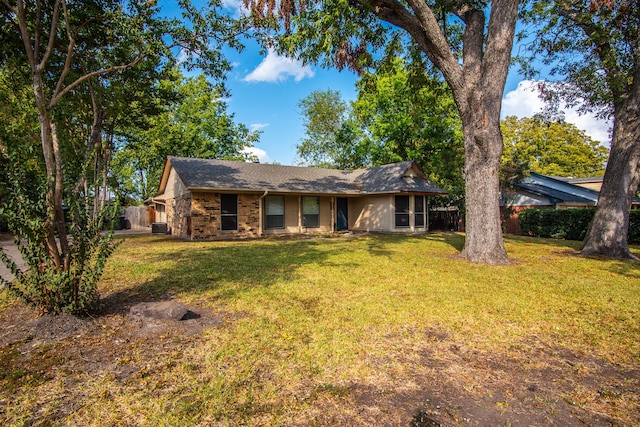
162 310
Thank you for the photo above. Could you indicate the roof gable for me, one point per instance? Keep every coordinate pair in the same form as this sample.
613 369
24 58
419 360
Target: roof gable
228 175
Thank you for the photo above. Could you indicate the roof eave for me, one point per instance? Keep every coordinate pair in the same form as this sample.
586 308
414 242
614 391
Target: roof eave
274 191
164 177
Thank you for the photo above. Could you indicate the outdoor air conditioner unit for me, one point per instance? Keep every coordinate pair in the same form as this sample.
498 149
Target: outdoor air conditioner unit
159 228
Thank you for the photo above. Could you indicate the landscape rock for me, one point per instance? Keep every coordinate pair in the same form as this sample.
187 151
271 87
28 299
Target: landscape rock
162 310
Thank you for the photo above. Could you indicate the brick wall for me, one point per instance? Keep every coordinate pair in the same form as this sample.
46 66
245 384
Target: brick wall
511 217
205 216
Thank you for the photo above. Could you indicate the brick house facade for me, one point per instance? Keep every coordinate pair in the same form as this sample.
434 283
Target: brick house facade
217 199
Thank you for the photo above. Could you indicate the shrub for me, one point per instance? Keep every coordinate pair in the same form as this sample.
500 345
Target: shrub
570 224
73 287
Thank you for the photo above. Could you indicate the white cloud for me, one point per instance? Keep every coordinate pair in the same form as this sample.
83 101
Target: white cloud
275 68
524 102
182 57
258 126
262 155
237 7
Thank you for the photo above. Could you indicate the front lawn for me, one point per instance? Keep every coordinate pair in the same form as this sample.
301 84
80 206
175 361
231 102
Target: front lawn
366 330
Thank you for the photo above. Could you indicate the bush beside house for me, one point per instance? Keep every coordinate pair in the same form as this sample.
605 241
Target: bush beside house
570 224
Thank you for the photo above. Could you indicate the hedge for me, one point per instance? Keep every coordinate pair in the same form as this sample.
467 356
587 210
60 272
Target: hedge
570 224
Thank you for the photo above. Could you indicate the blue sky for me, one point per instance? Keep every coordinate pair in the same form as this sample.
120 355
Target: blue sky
266 88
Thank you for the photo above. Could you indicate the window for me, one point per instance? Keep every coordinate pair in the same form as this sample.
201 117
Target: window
311 212
402 211
229 211
274 211
418 212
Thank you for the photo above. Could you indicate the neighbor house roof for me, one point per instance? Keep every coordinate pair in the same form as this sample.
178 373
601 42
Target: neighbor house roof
207 174
557 191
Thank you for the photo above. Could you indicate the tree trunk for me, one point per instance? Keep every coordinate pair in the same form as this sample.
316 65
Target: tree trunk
483 149
44 119
58 200
609 230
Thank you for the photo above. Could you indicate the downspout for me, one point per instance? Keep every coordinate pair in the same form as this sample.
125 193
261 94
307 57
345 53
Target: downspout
260 211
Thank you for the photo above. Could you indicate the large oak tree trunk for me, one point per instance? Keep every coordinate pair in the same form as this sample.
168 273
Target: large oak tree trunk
609 230
483 149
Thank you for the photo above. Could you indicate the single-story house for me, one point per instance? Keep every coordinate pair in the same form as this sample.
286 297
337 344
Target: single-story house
222 199
541 191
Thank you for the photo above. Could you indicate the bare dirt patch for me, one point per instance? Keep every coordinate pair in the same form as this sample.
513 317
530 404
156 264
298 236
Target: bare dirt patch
36 348
431 381
448 384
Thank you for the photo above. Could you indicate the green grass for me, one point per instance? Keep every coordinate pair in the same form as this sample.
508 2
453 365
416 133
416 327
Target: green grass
306 318
351 286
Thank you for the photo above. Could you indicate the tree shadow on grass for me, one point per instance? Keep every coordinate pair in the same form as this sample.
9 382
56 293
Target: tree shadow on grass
573 245
382 244
455 240
221 271
628 268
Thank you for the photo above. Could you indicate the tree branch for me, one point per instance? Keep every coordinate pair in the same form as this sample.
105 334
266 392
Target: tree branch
54 100
24 33
473 45
602 48
52 35
500 34
423 26
69 58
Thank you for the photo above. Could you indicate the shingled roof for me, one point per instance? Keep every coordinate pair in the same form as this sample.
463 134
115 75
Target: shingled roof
557 190
228 175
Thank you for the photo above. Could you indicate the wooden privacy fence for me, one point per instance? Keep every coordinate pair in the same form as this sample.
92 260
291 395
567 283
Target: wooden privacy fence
139 217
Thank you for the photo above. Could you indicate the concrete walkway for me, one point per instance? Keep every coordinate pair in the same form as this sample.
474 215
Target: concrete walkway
10 248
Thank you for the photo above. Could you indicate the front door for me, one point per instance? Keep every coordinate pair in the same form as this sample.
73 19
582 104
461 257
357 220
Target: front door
342 212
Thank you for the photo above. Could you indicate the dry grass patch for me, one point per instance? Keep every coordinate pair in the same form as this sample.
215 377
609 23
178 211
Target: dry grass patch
372 330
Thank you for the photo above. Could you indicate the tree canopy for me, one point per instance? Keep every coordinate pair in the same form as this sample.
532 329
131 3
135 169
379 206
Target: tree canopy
84 63
400 113
468 42
551 148
192 122
593 48
406 112
323 114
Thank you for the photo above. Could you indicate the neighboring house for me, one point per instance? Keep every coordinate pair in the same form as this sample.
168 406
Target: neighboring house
541 191
222 199
594 182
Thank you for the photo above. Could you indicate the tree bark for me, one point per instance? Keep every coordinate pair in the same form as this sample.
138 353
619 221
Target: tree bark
608 232
44 118
483 149
477 88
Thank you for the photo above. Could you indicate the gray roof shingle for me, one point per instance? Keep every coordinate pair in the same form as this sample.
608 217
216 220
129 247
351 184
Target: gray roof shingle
557 190
207 174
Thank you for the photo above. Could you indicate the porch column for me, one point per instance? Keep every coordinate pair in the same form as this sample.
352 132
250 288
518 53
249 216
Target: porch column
426 213
299 214
334 201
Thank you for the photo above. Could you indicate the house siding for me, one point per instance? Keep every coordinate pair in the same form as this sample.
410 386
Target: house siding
371 213
293 217
377 214
175 187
